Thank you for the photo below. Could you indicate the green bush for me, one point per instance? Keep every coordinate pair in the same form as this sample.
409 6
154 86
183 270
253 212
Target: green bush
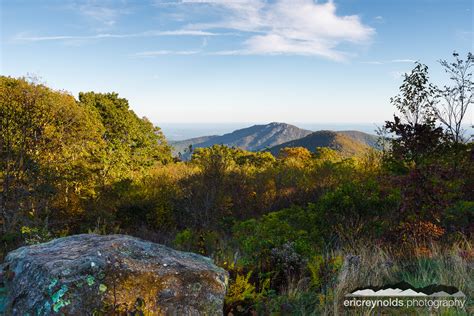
185 240
257 238
356 210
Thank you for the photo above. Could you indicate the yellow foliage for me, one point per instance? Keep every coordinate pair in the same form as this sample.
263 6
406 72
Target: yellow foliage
241 289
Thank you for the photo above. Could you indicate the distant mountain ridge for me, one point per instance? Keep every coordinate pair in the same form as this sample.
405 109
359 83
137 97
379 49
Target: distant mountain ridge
274 136
253 138
183 145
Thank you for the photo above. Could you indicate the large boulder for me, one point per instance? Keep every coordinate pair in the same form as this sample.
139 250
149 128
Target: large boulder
110 275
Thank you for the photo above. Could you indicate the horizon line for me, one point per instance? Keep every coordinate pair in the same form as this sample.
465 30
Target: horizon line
266 122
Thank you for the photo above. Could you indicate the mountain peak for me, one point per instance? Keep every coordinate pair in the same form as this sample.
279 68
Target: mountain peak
278 124
277 135
253 138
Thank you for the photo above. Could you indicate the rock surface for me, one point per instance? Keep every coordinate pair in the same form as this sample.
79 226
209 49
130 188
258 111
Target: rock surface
110 275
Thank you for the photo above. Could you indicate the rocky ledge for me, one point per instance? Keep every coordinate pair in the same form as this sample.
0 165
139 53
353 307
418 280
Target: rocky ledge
110 275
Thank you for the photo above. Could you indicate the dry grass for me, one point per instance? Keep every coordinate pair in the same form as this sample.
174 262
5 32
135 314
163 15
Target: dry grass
432 264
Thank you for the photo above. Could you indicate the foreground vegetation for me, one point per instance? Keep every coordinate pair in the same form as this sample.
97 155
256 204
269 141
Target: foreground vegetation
296 232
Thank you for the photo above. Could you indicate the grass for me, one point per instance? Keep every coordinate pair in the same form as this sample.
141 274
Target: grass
435 264
369 265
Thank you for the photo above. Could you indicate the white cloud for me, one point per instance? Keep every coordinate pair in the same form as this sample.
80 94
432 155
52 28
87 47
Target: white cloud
181 32
107 16
260 27
297 27
279 44
403 61
104 12
230 52
25 37
372 62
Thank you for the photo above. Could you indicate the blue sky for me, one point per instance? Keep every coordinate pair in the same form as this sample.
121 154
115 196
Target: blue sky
237 60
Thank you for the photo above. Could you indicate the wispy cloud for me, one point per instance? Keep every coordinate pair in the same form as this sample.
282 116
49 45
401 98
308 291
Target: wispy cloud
104 12
393 61
28 38
379 19
464 35
296 27
107 16
231 52
166 52
261 27
403 61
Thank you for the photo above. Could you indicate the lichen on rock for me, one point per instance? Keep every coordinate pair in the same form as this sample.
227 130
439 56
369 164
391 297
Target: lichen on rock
113 274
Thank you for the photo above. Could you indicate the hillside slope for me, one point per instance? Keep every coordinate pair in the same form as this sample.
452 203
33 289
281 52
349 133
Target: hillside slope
334 140
182 146
368 139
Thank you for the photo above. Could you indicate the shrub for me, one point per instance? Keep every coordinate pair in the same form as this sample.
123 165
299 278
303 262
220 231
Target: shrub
185 240
257 238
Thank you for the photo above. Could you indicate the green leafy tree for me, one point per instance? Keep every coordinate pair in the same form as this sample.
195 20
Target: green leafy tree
208 193
49 147
415 130
133 143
